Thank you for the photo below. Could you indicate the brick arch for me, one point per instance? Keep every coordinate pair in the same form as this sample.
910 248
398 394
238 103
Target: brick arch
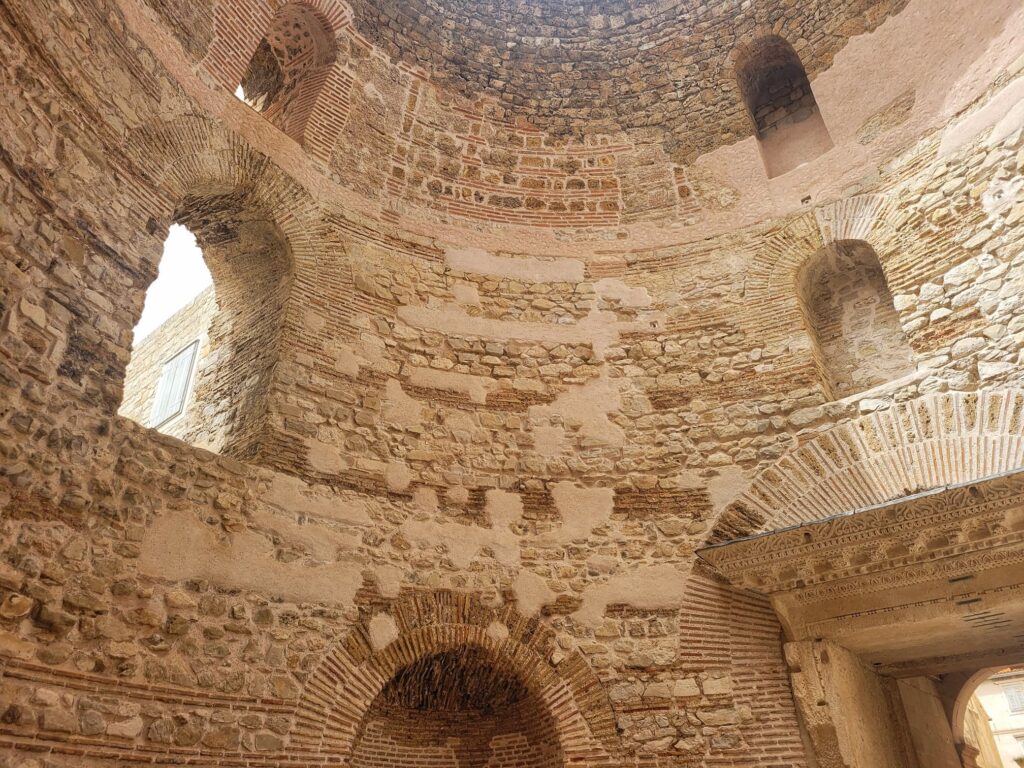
931 442
237 30
777 264
238 27
205 174
339 692
773 280
194 156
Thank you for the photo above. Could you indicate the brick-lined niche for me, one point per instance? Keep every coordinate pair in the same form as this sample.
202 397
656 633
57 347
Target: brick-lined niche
858 340
781 104
456 708
289 68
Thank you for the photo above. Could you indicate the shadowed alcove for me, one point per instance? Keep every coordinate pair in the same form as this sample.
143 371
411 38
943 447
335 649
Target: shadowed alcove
458 708
849 312
781 104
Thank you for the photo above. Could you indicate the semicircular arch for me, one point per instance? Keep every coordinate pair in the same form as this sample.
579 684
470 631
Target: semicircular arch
351 675
931 442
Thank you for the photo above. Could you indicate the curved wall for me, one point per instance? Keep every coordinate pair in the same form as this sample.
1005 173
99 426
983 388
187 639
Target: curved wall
549 418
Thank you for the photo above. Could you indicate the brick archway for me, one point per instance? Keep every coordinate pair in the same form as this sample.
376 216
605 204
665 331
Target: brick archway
258 229
353 673
928 443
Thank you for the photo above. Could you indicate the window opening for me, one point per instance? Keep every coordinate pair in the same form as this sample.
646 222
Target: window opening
781 104
172 389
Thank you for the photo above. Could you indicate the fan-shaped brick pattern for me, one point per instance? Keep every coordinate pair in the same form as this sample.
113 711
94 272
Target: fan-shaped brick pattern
910 447
566 699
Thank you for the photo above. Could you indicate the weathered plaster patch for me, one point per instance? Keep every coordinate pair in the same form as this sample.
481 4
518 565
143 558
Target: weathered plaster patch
532 270
653 587
466 542
532 592
581 509
383 631
290 493
466 293
729 483
497 631
325 458
320 541
389 580
177 546
629 296
476 387
398 476
401 409
1003 114
586 407
600 329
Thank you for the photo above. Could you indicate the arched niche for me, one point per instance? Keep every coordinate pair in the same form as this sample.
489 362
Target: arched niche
781 104
288 70
446 652
858 341
463 706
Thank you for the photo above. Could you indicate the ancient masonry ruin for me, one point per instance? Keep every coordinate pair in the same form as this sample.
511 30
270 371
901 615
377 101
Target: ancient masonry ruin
619 383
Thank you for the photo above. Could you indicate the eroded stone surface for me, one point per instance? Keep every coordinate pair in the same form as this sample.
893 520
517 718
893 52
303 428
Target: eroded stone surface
477 388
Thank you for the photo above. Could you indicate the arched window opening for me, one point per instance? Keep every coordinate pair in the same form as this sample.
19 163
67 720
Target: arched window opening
781 104
456 708
857 337
991 733
170 338
289 68
203 373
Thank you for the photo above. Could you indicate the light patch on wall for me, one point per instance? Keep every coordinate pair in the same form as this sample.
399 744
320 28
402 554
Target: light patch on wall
400 409
383 631
581 509
586 407
529 269
465 542
291 493
178 546
532 592
296 531
654 587
183 276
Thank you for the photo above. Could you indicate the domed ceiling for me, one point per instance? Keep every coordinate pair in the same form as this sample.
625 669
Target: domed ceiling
574 68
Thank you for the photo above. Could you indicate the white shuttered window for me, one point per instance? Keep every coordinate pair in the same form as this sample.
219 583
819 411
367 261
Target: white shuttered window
1015 697
172 389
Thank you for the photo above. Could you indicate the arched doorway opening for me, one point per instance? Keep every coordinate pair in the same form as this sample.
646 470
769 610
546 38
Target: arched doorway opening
457 708
988 718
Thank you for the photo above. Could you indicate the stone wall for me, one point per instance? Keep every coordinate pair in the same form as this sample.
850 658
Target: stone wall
676 144
452 431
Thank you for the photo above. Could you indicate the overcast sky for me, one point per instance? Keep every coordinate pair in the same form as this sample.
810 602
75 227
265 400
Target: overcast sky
183 276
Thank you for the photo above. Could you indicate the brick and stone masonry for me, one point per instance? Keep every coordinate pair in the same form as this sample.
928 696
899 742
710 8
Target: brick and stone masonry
535 328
